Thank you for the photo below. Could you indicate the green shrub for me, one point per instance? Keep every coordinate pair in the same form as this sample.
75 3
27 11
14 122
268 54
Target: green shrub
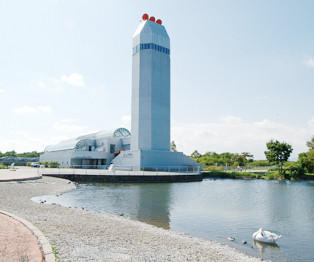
51 164
273 175
3 167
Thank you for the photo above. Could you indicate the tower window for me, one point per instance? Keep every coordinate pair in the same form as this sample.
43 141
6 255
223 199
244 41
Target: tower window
151 46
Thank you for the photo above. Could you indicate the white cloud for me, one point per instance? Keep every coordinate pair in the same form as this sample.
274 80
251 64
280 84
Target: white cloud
42 85
73 79
65 126
309 61
238 136
25 110
2 90
43 108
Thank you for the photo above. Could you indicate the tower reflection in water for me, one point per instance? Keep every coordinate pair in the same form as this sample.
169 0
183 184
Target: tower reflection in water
154 204
149 203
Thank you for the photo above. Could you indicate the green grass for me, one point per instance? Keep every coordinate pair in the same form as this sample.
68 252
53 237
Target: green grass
56 253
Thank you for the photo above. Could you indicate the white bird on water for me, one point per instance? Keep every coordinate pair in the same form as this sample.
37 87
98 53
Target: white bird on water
265 236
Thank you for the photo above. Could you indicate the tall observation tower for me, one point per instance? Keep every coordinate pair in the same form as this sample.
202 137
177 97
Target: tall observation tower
150 124
151 87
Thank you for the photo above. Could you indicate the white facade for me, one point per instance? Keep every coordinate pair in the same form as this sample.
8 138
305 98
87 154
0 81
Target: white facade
91 151
151 88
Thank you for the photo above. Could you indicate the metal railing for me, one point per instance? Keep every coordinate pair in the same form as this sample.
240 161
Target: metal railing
238 168
121 170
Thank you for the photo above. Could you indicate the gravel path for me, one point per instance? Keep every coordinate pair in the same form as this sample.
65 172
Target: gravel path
88 236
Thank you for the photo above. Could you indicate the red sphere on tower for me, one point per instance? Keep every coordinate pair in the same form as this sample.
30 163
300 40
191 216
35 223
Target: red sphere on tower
145 17
152 18
159 21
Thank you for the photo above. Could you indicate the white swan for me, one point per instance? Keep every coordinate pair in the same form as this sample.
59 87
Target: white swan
265 236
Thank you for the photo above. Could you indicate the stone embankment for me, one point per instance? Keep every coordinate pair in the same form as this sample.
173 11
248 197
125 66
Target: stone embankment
81 235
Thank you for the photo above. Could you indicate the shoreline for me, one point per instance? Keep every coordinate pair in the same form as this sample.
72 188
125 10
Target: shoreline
81 235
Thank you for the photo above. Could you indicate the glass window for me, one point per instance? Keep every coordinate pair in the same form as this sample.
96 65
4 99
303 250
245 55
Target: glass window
112 148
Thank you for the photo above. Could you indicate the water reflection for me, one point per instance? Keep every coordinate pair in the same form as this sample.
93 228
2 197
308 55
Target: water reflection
263 247
213 209
154 204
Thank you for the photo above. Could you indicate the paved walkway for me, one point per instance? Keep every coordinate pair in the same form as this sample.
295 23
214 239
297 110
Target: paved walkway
17 242
21 173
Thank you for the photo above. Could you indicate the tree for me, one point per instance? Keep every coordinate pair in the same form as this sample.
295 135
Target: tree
173 146
306 160
244 158
278 153
196 154
10 153
310 144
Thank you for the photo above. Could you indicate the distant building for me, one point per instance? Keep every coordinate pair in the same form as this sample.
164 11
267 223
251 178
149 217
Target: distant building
93 151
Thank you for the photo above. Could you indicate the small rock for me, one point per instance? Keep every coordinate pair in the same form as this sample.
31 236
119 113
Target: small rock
121 215
244 241
231 238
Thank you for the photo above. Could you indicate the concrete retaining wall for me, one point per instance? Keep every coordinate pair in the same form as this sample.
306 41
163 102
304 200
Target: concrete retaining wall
129 179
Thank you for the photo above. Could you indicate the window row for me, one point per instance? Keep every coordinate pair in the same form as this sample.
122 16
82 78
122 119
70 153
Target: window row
151 46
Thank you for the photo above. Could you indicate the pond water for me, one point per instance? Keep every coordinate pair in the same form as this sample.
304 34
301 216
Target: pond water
213 209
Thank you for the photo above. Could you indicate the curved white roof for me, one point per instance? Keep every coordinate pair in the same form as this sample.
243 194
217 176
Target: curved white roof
68 144
71 143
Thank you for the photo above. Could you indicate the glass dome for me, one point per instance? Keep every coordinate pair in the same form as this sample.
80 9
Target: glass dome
121 132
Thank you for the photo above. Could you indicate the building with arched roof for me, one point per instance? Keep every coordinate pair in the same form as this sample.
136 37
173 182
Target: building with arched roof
149 146
93 150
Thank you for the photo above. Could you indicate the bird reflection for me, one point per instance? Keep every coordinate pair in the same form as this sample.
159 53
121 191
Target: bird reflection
262 247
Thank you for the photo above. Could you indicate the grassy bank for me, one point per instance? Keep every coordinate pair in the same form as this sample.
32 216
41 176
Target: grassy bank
270 175
237 175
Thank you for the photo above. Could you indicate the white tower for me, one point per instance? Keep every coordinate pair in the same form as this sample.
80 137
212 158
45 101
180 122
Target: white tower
151 87
150 134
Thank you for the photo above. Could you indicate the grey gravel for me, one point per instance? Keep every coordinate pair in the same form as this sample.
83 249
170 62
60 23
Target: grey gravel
81 235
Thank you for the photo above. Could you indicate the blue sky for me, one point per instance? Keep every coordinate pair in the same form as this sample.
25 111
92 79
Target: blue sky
242 72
